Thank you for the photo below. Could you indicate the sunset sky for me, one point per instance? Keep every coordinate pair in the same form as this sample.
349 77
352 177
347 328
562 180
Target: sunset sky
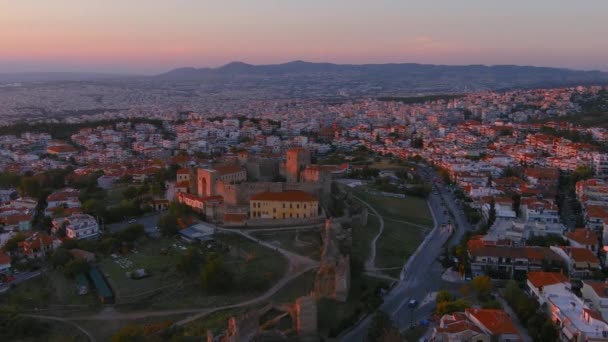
150 36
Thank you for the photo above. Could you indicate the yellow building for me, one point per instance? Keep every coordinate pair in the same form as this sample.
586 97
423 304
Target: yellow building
284 205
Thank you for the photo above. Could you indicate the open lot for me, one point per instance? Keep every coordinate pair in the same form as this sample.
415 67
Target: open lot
255 269
396 244
406 221
147 256
50 292
410 209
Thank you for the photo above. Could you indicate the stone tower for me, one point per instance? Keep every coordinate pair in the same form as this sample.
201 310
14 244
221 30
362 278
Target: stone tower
297 159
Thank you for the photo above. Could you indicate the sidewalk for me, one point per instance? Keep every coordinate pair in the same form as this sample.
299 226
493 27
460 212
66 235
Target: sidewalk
523 332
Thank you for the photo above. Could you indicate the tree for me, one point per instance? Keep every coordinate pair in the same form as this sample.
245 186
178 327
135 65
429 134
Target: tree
167 224
132 232
482 285
548 332
60 257
443 296
444 308
129 193
76 266
190 261
215 277
12 244
492 213
382 328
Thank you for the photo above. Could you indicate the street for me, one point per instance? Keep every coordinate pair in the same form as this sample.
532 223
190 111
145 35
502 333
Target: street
421 276
19 278
149 222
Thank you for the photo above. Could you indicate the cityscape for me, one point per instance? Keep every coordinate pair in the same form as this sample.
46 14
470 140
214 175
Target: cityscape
344 199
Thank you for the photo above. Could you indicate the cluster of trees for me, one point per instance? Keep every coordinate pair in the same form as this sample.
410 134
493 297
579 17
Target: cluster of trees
420 99
168 224
364 173
481 286
18 328
107 244
539 327
215 277
382 328
65 130
63 259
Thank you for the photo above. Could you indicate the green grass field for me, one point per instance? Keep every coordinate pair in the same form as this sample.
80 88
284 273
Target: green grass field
396 244
362 236
255 269
406 221
50 291
148 256
410 209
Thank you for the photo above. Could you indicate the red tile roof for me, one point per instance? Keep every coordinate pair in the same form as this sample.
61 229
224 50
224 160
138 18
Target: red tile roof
583 236
228 169
540 278
599 287
579 254
285 196
5 259
496 321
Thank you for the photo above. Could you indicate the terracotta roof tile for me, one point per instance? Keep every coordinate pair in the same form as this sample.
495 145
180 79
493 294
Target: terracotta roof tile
285 196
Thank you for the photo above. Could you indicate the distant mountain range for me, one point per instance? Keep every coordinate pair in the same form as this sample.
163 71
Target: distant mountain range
408 75
299 79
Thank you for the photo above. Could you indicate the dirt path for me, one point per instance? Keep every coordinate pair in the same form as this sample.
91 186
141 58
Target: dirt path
370 263
61 319
297 265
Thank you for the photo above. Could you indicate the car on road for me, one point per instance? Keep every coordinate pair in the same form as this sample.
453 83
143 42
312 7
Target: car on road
412 303
131 221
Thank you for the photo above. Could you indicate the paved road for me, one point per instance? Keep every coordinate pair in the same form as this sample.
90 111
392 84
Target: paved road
149 222
19 278
421 275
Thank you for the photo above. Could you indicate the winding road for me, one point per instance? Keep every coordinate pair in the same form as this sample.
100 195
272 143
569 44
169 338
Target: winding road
421 276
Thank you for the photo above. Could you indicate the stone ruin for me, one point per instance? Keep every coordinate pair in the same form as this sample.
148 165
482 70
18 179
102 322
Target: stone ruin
333 277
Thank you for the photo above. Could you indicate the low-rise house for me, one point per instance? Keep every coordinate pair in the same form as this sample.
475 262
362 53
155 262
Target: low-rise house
506 261
38 245
575 320
17 222
541 283
78 226
584 238
581 262
478 325
62 199
596 294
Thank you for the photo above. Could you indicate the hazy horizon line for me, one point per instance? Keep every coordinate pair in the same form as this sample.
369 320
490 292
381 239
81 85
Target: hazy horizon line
218 66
